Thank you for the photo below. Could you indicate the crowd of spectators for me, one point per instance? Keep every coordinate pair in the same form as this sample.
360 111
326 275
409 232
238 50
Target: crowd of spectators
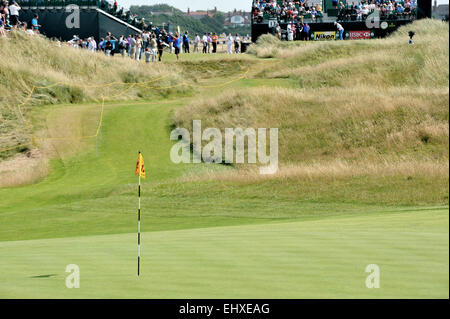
9 19
112 7
286 10
294 11
151 45
387 9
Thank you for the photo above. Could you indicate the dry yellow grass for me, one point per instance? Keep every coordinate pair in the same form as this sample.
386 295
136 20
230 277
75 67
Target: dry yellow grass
381 62
364 108
337 169
316 124
23 169
80 76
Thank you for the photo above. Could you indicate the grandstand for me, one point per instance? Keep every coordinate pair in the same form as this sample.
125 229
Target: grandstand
97 17
360 19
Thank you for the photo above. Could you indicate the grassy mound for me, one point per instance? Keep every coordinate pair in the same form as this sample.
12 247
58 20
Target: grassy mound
69 76
363 179
361 109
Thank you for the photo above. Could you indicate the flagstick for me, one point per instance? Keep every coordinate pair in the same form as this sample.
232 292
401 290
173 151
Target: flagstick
139 228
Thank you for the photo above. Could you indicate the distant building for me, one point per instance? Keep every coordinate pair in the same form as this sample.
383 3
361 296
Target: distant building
440 11
238 19
157 13
200 14
232 19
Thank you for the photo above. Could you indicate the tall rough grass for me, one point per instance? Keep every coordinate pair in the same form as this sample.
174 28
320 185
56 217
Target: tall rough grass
29 61
375 108
382 62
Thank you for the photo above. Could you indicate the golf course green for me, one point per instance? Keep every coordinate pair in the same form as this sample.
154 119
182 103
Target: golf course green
219 231
307 250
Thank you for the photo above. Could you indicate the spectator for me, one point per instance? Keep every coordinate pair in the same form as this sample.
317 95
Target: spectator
196 43
237 44
138 54
170 41
113 41
205 43
122 45
35 24
306 30
108 46
154 46
186 42
14 14
177 44
340 30
2 27
230 43
215 39
101 44
92 45
145 39
161 45
290 33
278 31
132 43
209 42
4 13
298 31
148 55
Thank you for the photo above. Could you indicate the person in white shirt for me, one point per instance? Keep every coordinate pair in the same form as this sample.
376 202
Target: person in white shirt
278 31
154 46
92 45
132 47
290 33
230 41
29 32
205 43
14 14
365 11
196 42
340 29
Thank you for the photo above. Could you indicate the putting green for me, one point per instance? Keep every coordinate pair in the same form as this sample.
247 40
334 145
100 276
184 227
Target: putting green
310 259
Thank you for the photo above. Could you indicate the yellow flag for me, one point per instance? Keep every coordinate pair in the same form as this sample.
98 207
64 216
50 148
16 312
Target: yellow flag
140 169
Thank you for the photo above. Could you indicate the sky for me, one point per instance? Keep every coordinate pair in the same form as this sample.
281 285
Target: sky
222 5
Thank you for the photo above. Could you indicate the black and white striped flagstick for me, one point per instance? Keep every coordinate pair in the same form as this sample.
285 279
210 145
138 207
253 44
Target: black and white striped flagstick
139 224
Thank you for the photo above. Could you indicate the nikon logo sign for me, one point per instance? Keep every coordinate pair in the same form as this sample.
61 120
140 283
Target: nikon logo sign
326 35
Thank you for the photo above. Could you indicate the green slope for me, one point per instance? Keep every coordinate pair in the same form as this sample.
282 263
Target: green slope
311 259
303 233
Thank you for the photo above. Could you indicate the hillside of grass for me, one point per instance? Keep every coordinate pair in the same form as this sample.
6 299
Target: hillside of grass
360 110
363 173
74 76
347 109
37 71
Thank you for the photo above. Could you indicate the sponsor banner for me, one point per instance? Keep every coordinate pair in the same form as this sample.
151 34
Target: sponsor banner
357 35
324 35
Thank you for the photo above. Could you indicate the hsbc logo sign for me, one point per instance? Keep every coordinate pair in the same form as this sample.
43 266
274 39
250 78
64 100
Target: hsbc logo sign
357 35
